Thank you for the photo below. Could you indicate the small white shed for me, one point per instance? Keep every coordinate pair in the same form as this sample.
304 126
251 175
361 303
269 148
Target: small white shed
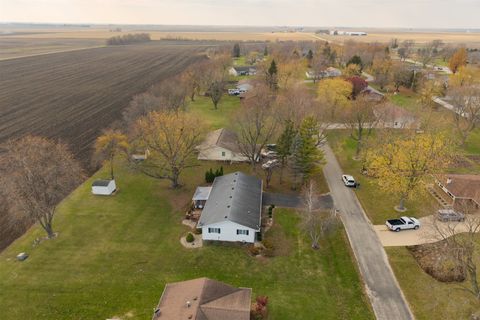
103 187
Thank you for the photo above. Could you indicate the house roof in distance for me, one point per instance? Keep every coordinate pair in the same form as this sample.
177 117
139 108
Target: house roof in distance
244 68
101 183
222 138
203 299
235 197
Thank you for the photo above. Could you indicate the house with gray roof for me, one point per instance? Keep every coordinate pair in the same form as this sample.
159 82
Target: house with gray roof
233 209
243 71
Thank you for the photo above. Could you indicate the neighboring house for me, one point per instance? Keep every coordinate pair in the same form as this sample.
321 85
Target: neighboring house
203 299
221 145
233 209
243 71
393 116
330 72
103 187
460 188
201 196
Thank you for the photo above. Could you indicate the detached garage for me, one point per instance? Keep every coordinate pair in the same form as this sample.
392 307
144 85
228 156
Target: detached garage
104 187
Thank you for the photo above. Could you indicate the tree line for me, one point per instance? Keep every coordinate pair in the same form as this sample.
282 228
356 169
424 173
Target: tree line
128 39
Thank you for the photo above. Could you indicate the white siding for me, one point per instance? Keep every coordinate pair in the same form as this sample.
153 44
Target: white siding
104 191
228 232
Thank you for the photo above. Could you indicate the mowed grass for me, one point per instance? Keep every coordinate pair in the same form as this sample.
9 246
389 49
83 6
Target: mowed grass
472 145
114 255
429 298
213 118
378 204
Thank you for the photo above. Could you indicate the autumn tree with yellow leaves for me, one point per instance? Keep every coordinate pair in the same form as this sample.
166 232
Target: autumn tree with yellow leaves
458 60
402 165
334 95
109 145
171 138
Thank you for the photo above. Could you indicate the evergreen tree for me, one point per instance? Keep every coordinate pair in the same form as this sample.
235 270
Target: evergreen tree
265 52
306 156
356 60
272 75
284 145
236 50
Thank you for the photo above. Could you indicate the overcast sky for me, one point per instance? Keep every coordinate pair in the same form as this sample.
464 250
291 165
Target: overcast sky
356 13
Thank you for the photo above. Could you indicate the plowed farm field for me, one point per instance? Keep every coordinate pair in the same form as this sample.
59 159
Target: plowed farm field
73 96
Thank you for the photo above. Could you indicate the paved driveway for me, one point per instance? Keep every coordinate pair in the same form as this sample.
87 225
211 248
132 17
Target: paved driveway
294 201
428 232
381 285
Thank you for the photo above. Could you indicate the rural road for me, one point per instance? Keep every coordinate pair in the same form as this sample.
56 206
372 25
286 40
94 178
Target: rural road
382 288
427 233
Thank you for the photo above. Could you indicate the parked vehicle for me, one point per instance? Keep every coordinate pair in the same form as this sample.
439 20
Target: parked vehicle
349 181
233 92
450 215
404 223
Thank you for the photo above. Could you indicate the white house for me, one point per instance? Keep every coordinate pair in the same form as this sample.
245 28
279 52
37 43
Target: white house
243 71
233 209
221 145
103 187
329 72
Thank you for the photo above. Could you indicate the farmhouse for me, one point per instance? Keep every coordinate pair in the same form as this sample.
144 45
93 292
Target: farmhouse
103 187
394 116
243 71
233 209
221 145
203 299
461 189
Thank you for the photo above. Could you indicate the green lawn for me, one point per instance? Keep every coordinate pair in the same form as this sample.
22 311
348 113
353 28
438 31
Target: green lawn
377 204
429 298
114 255
472 146
215 118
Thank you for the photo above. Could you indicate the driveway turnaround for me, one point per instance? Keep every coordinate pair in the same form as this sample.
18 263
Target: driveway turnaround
428 232
294 201
382 288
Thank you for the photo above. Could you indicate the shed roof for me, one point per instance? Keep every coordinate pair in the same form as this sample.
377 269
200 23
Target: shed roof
235 197
209 300
101 183
202 193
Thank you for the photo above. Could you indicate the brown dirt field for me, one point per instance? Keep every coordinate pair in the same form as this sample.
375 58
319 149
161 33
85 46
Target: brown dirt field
157 35
73 96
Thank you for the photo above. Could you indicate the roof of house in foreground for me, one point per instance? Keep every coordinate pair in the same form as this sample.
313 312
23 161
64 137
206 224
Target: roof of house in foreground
203 299
235 197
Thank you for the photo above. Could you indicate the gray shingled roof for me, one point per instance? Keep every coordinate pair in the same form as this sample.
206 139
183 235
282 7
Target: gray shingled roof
235 197
101 183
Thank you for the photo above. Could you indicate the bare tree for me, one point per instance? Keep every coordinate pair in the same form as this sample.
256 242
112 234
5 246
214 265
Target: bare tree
171 138
466 101
171 93
37 174
256 123
360 118
462 243
316 223
141 105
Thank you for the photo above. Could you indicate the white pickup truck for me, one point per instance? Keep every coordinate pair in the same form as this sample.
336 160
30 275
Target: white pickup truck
403 223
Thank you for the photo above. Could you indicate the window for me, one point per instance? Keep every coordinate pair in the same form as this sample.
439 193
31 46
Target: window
223 153
213 230
243 232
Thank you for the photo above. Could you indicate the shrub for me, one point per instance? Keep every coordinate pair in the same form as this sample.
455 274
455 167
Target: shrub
210 175
259 308
190 237
270 210
269 250
254 251
198 231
